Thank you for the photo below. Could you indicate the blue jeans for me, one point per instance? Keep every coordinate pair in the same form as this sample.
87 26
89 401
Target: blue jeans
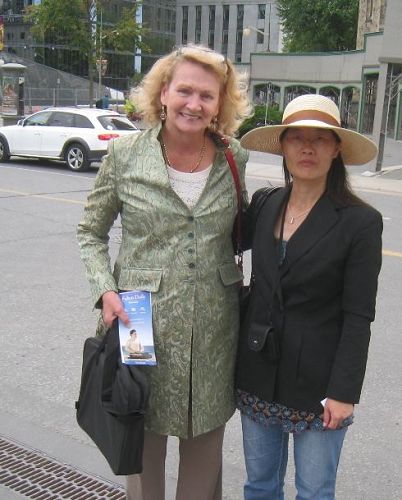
316 456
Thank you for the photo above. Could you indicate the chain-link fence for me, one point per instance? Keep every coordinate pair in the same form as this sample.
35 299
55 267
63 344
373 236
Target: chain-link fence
39 98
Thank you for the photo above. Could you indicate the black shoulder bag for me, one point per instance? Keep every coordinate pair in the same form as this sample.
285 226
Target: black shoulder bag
258 200
112 402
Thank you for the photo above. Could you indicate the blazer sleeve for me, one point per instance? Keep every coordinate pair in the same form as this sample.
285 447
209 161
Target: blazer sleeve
101 210
358 304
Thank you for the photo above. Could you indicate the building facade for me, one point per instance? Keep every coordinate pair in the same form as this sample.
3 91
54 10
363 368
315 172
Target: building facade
371 19
365 83
221 25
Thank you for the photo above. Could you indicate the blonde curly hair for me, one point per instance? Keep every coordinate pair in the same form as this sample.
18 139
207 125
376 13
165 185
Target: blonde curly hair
234 104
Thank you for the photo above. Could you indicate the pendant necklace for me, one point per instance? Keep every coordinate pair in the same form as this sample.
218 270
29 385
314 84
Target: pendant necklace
200 157
292 218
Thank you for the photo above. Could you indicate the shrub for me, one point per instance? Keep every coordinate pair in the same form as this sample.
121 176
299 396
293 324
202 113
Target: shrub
131 112
272 115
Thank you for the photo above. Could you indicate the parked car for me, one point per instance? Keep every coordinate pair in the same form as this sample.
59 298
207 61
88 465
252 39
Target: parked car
78 136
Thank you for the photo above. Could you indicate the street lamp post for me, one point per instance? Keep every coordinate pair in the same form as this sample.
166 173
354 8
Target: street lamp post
385 115
102 63
247 32
248 29
99 62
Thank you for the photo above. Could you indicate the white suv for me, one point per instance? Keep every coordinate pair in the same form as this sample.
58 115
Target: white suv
78 136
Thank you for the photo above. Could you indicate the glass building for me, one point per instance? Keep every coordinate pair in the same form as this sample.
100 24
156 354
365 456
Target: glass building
117 68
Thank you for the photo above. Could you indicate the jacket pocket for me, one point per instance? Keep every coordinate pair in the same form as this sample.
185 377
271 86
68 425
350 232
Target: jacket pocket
140 279
230 273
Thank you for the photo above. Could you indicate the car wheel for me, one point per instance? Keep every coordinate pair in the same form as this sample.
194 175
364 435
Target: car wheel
76 157
4 151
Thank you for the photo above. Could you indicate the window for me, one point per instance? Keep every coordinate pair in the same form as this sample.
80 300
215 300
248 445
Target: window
38 119
211 27
198 13
225 29
59 119
226 11
184 26
116 123
369 100
260 37
239 33
82 122
261 11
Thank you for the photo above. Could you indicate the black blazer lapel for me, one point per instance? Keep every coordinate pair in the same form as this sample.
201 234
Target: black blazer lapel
320 221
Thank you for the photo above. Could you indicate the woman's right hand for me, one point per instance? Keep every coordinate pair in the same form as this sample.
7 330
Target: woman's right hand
112 308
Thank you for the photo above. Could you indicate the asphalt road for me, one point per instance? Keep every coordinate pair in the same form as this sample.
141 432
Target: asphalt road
46 313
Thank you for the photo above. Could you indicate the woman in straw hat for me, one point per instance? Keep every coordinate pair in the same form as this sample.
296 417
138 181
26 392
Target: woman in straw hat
316 255
173 189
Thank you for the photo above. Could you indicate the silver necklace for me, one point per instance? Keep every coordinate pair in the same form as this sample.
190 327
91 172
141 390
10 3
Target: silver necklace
292 218
200 157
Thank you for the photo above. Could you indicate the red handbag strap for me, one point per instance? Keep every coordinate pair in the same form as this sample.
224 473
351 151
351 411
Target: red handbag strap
235 173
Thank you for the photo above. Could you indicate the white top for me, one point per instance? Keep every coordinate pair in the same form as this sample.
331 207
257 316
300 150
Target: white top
188 186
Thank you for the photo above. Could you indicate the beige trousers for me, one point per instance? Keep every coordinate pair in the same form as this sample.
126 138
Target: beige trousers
200 468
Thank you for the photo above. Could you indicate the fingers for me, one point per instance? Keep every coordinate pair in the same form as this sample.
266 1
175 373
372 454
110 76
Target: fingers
335 413
326 417
112 308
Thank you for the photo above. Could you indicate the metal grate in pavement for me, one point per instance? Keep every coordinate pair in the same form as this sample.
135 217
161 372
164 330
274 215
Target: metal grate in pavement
34 475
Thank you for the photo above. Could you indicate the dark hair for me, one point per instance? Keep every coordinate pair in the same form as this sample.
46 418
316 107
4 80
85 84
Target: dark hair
338 187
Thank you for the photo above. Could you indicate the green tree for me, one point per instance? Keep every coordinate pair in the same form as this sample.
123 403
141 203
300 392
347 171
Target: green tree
78 24
319 25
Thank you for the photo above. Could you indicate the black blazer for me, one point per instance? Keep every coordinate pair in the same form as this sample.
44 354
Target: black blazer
320 302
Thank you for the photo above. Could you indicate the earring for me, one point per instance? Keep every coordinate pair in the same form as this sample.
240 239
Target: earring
214 124
163 114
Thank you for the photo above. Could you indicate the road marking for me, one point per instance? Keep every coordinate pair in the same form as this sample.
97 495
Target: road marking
48 172
388 253
43 196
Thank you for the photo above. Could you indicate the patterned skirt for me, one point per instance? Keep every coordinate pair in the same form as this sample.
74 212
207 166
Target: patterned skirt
290 419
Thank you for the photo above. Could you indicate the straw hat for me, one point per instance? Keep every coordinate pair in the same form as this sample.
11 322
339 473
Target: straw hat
317 111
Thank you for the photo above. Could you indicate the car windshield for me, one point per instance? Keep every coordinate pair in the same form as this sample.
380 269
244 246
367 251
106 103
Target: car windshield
116 123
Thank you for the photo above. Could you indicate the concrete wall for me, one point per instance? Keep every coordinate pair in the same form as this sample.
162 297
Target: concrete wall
336 67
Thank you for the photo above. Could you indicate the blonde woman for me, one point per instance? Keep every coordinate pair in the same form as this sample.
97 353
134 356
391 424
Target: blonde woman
173 189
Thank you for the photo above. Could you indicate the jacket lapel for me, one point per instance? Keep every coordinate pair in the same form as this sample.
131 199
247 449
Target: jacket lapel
320 221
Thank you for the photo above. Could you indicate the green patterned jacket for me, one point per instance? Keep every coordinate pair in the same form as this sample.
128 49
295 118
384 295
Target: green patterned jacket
185 258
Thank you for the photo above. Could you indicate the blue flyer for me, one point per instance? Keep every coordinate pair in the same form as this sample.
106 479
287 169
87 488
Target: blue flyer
137 340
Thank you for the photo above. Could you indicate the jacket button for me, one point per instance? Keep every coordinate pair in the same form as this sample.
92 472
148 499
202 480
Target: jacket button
191 265
191 250
190 218
190 235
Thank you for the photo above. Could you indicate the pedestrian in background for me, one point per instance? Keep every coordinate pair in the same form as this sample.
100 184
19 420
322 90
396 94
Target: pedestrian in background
173 189
316 255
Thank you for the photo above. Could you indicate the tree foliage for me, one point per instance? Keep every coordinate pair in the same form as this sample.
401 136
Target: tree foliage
77 23
319 25
262 116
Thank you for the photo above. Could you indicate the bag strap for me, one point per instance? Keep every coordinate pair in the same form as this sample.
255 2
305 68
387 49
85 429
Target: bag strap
258 201
235 173
112 355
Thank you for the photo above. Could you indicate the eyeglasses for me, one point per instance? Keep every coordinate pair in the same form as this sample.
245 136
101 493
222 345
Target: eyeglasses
191 49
